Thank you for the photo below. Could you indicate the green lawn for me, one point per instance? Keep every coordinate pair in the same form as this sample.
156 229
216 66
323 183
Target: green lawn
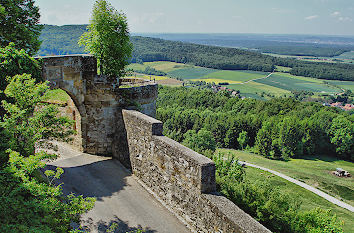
308 199
313 171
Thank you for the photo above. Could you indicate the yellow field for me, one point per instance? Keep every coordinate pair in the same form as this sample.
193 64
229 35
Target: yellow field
216 81
165 66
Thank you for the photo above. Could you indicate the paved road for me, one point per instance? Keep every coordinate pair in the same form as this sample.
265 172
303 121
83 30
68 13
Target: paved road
306 186
120 198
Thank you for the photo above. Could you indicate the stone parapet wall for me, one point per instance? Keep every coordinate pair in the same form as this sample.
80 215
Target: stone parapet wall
98 98
182 179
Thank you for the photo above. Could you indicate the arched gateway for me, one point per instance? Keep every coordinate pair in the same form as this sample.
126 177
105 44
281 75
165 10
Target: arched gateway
98 99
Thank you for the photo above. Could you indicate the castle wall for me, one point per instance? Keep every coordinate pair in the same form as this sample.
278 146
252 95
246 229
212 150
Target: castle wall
98 98
181 178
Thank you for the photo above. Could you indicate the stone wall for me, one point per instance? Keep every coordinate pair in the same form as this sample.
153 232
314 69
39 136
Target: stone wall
183 179
98 98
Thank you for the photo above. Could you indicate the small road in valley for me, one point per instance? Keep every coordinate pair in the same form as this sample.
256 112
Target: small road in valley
306 186
120 200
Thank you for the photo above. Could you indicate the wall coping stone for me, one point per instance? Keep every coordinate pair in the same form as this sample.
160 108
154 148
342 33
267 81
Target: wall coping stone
156 125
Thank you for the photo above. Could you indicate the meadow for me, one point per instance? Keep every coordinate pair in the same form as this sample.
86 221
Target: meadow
249 83
293 83
311 170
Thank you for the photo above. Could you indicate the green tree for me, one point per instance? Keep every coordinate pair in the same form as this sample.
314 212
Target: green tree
30 203
200 142
27 121
243 139
19 20
342 136
13 62
108 39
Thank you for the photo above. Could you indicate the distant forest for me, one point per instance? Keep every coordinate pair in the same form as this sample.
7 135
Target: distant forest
60 40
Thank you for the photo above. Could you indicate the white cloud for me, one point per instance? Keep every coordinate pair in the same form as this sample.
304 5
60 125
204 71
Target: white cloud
345 19
341 18
335 14
311 17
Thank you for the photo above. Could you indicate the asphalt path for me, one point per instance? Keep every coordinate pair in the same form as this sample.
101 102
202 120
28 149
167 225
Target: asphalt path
121 200
306 186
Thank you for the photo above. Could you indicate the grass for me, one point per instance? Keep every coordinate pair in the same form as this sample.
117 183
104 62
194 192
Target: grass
310 170
57 96
164 66
346 55
255 87
278 84
282 68
348 85
191 72
308 199
293 83
235 76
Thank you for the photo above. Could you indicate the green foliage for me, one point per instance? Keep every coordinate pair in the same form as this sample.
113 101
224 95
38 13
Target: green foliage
274 208
13 62
316 221
242 139
278 128
26 121
19 20
29 205
199 142
342 135
108 39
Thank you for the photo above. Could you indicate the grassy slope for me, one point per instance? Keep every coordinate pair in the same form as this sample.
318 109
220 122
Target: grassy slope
290 82
308 199
310 170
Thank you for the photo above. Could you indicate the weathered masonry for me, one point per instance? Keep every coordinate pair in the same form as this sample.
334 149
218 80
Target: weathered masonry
183 180
97 98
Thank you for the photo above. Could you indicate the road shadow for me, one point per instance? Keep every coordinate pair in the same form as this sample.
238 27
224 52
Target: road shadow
115 225
93 179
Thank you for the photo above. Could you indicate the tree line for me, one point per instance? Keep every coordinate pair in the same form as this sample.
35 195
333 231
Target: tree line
280 128
63 40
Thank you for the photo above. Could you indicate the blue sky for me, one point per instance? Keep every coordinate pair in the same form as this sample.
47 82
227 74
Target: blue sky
330 17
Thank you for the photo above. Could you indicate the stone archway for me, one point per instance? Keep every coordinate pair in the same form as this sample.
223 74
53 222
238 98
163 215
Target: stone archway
99 100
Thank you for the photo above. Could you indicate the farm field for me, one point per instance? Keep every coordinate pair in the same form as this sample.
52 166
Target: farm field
278 84
164 66
311 170
293 83
346 55
348 85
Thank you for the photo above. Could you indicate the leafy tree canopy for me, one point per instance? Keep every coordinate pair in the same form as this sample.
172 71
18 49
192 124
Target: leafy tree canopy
19 20
108 39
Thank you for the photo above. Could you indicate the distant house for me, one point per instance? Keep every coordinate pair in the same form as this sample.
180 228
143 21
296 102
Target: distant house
348 107
336 104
